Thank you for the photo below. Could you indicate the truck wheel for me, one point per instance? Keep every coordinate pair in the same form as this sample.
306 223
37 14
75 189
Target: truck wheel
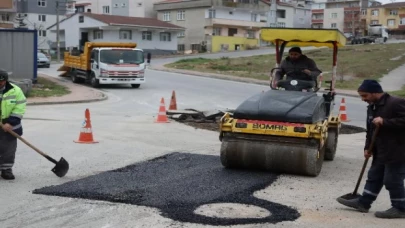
73 76
135 85
95 83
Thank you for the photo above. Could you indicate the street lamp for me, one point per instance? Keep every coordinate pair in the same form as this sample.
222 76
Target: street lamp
63 4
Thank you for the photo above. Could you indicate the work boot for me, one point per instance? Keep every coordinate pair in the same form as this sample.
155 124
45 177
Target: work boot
353 203
390 213
7 174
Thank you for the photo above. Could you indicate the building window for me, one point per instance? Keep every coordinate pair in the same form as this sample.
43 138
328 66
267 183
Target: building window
363 12
42 33
251 34
181 15
42 3
374 12
166 16
146 35
81 19
211 13
333 15
374 22
253 17
402 21
106 9
165 36
116 5
181 47
333 25
391 22
181 34
125 35
98 34
216 31
42 18
393 12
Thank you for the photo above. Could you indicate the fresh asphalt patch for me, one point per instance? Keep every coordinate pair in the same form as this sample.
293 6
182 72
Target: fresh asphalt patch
178 184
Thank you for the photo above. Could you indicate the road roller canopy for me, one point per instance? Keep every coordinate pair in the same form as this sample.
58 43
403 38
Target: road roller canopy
304 37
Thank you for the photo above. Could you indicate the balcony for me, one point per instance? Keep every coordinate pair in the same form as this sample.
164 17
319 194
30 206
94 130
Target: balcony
238 5
233 23
6 24
356 9
349 18
317 11
317 21
181 5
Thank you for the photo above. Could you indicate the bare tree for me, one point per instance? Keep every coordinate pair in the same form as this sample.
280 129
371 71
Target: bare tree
23 22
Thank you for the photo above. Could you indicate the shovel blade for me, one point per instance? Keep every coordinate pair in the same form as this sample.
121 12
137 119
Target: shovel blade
61 168
350 196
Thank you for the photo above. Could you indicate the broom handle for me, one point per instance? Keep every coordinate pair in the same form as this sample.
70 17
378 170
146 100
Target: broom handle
370 148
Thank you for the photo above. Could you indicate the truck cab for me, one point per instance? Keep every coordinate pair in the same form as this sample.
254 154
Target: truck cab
115 65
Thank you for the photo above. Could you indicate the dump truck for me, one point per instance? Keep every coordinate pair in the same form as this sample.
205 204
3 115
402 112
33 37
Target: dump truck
289 128
376 33
105 63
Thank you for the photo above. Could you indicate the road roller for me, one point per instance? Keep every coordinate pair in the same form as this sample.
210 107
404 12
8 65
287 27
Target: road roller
291 127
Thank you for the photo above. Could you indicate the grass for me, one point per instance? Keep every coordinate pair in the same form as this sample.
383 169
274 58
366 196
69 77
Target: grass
355 63
399 93
47 88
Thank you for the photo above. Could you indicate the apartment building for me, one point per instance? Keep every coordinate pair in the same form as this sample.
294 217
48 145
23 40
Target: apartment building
8 10
344 15
292 13
128 8
391 15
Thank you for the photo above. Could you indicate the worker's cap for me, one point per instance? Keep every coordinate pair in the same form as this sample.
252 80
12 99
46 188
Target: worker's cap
370 86
3 75
295 49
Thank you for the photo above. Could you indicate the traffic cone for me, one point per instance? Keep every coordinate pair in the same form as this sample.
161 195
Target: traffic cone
173 103
86 132
342 111
162 117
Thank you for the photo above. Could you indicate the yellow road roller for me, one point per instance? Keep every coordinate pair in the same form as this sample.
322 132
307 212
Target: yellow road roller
287 129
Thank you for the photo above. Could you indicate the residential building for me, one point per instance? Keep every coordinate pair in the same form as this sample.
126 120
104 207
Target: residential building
344 15
129 8
8 10
391 15
292 13
150 34
40 14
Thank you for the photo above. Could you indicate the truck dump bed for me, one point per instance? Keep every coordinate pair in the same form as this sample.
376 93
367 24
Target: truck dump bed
82 61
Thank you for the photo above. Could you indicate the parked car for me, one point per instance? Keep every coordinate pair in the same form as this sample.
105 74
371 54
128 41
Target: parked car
42 60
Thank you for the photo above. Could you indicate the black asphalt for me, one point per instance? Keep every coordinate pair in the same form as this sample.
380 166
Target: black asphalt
177 184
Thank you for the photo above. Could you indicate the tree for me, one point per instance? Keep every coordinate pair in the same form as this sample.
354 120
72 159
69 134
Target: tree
23 23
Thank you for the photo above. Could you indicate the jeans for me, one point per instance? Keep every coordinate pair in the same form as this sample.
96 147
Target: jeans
389 175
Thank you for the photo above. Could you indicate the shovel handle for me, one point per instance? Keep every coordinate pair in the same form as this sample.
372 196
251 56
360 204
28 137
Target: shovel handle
29 144
370 148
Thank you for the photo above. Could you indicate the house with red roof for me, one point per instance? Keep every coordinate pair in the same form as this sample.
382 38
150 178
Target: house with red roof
151 34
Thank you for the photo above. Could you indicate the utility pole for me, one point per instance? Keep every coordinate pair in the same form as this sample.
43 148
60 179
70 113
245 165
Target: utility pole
63 4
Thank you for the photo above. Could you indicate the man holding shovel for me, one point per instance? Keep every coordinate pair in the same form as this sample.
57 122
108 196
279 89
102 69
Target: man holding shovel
388 166
12 109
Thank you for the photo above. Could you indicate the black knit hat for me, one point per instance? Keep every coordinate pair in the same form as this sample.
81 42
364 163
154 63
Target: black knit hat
370 86
295 49
3 75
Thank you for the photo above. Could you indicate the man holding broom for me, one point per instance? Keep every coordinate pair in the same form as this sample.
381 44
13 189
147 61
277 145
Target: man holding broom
388 165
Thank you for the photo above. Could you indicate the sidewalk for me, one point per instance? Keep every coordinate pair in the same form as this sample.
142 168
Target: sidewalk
79 94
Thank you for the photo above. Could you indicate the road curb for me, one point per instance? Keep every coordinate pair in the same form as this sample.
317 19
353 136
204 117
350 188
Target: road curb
105 97
226 77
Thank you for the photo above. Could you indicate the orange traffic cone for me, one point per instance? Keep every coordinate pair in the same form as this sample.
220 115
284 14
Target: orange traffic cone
173 103
342 111
86 133
162 117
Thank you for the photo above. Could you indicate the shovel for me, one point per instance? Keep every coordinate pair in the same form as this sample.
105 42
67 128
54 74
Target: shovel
354 195
61 167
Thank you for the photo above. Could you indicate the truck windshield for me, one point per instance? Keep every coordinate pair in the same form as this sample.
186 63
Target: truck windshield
120 56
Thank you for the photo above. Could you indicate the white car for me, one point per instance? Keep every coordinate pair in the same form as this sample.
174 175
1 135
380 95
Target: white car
42 60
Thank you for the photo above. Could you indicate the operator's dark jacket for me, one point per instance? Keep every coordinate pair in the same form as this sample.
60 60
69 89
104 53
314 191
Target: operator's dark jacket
390 141
300 64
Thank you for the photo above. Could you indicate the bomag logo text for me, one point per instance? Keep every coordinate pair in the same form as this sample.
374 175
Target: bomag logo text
269 127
